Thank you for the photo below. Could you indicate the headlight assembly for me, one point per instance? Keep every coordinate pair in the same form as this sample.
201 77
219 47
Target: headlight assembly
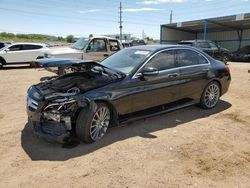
60 104
37 95
33 93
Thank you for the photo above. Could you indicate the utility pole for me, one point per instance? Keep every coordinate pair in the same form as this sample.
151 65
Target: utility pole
120 20
171 16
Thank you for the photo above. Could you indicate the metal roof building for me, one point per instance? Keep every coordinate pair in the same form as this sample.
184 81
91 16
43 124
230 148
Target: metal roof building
231 32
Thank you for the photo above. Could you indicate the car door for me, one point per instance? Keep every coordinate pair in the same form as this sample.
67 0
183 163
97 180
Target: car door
97 49
194 73
155 90
13 54
31 52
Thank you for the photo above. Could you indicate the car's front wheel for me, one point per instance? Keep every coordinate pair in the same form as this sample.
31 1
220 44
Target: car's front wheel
210 95
92 126
225 58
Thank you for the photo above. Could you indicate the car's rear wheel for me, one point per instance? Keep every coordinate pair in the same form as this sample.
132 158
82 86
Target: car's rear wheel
92 126
210 95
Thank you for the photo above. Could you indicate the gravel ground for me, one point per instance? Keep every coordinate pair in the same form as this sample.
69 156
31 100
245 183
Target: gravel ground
186 148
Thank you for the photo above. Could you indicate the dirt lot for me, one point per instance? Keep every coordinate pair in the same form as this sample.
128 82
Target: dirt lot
185 148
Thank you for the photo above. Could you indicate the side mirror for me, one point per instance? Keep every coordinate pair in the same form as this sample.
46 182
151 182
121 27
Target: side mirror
7 50
149 71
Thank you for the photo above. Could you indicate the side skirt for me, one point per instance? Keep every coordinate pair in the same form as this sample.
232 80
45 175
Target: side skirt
161 110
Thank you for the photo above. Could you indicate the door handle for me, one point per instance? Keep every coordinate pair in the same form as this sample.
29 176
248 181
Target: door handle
173 75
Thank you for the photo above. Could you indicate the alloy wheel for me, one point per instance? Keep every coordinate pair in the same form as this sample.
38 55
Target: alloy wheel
212 95
100 123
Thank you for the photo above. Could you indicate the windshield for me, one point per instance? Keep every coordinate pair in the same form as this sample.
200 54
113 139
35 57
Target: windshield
80 43
125 60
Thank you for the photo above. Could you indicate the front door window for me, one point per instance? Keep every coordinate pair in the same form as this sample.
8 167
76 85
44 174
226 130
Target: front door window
97 45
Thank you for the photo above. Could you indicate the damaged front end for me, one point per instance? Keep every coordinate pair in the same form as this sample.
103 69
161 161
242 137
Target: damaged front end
53 104
52 115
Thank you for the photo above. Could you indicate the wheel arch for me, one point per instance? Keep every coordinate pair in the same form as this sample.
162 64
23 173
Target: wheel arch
114 114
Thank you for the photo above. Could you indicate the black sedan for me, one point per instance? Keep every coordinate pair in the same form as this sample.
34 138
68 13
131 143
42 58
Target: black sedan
210 47
243 54
133 83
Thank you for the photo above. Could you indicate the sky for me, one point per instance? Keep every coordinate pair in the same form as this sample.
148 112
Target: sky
100 17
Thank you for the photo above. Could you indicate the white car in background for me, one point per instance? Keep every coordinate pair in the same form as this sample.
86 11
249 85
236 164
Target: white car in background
19 53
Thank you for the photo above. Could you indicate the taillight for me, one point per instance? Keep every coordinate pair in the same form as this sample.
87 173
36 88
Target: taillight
227 68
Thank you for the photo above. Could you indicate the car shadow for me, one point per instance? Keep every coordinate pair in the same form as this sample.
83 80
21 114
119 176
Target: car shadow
12 67
39 149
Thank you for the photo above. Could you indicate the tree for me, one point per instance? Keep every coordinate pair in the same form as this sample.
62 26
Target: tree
60 38
70 38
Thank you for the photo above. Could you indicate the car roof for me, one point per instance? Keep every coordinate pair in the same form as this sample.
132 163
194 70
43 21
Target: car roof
101 37
160 47
28 43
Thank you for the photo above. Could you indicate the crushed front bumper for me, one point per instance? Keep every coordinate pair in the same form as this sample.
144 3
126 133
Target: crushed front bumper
50 131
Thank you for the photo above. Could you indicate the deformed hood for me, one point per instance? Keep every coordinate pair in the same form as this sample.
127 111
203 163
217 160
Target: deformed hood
84 81
61 62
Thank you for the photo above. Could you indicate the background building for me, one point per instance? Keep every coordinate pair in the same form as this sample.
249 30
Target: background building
231 32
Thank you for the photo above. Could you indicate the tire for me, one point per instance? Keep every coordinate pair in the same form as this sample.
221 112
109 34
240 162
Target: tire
210 95
225 58
90 128
2 62
34 64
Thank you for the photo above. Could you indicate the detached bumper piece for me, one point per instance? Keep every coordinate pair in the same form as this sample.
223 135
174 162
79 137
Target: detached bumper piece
51 131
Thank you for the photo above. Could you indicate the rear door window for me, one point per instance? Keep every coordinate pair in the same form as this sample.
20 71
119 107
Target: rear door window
97 45
163 61
31 47
185 57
